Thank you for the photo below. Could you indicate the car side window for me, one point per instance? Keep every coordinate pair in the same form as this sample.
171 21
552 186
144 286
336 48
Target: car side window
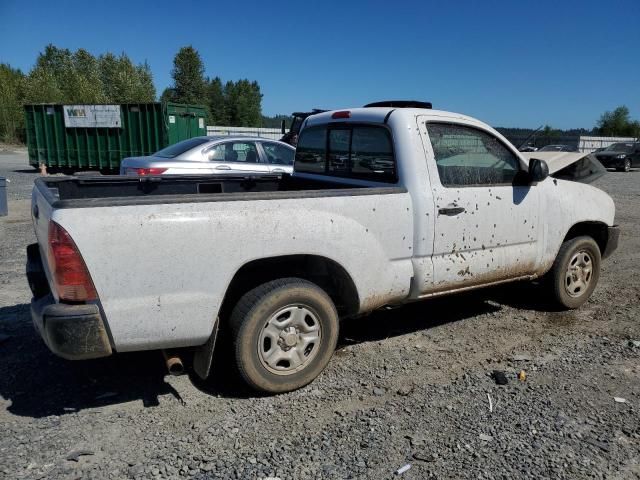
215 153
466 156
245 152
241 152
278 154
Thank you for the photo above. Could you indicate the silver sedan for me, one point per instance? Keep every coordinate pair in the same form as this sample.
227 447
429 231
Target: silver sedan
208 155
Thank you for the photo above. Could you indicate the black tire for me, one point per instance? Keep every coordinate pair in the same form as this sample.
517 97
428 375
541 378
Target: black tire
558 274
252 314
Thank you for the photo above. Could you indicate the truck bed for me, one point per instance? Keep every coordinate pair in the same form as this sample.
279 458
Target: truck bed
163 251
104 191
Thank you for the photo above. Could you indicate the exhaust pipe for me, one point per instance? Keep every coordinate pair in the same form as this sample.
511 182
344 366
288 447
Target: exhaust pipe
174 363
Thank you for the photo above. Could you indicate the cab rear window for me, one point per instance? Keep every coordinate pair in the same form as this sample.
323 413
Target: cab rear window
351 151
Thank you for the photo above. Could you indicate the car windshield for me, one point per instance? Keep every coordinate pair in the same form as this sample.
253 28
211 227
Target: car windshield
179 148
620 147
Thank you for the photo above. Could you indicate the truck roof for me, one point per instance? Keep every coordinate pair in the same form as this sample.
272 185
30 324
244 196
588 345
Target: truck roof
383 114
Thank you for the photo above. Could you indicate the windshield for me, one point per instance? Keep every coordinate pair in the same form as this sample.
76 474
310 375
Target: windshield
620 147
179 148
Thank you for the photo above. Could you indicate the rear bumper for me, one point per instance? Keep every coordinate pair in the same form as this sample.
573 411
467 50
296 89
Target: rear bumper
612 241
74 332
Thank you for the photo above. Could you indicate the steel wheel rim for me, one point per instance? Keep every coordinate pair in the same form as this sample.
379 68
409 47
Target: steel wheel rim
290 339
579 274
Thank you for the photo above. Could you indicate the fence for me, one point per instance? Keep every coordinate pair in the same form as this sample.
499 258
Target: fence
272 133
541 140
589 144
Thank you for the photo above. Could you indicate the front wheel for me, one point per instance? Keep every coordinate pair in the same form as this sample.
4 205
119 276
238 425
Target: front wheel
627 165
284 334
575 272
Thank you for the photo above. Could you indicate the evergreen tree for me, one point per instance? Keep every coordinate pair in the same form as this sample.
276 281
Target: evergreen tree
231 100
243 102
188 76
216 102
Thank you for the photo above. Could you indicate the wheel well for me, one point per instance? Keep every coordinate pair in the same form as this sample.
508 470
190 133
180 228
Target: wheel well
596 230
326 273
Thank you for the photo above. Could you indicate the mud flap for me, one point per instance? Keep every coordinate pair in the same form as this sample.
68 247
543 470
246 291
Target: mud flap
203 356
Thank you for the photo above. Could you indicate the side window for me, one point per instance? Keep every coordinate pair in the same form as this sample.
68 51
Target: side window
311 150
233 152
354 151
466 156
278 154
215 153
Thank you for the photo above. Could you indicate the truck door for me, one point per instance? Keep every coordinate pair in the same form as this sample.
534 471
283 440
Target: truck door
486 224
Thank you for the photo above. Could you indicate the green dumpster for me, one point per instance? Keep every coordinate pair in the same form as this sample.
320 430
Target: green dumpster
98 137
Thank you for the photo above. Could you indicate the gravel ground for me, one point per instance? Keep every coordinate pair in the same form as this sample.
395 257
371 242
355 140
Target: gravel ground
410 386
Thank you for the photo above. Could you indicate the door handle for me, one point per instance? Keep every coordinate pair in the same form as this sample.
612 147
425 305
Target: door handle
451 211
277 170
223 167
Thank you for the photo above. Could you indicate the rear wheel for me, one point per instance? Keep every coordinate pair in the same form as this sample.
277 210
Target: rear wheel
575 272
284 334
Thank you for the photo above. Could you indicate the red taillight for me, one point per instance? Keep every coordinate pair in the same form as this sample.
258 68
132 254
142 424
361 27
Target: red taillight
342 114
70 275
148 171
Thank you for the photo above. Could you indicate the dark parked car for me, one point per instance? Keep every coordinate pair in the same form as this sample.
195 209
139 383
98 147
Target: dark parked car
558 148
528 148
621 156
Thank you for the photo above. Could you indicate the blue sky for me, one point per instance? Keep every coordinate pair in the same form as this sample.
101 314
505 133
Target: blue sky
509 63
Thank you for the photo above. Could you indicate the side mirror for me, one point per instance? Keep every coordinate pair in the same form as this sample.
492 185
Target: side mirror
538 170
283 127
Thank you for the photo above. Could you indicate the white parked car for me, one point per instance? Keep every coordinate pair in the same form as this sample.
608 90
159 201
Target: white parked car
209 155
386 206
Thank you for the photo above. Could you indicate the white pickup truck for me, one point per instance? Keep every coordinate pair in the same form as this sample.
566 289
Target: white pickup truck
386 206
